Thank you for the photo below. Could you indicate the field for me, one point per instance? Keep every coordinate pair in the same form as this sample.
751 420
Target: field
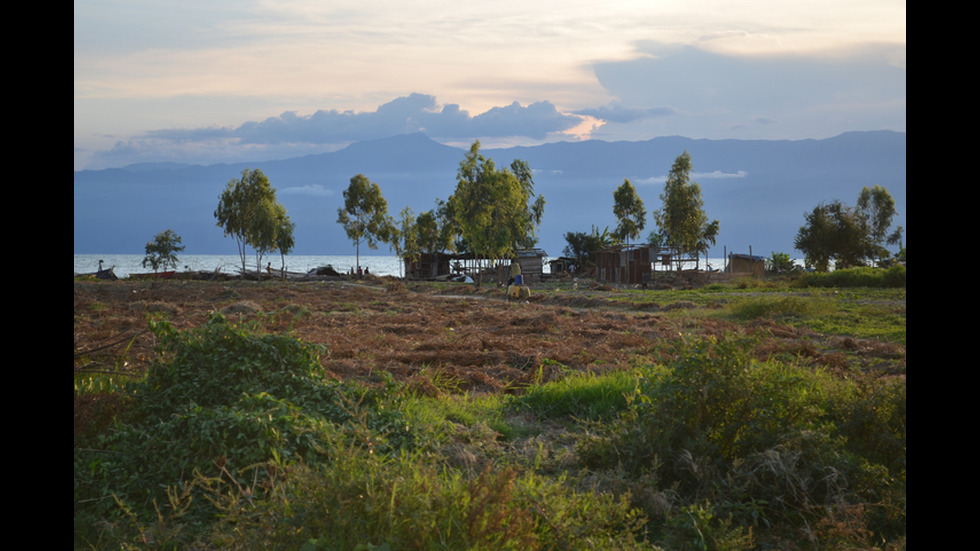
542 416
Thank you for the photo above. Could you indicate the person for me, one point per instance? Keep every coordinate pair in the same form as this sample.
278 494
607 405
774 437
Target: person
268 268
515 270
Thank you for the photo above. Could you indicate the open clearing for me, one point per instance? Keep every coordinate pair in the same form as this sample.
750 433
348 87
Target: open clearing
480 340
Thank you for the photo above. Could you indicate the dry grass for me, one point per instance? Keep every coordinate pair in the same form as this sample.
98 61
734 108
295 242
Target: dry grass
475 337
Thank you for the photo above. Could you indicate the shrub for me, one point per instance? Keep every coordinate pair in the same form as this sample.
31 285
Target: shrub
222 399
741 444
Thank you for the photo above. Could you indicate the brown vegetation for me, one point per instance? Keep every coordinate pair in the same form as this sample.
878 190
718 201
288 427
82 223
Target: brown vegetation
477 339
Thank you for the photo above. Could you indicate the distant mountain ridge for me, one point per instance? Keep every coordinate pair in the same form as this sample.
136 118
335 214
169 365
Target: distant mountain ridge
757 189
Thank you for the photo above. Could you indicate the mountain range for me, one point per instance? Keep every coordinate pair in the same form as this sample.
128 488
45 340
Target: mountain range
759 190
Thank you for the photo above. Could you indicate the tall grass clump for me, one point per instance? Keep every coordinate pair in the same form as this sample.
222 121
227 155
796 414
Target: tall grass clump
585 396
893 277
375 502
220 400
742 452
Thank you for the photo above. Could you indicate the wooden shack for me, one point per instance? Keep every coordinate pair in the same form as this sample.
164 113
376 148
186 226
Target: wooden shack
746 264
561 265
532 264
629 264
428 266
439 265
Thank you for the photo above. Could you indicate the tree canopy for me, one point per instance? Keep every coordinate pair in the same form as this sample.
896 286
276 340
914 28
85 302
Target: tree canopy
365 215
628 208
248 210
849 236
682 220
493 209
161 253
877 207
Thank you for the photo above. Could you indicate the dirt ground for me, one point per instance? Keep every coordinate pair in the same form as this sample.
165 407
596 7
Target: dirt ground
478 340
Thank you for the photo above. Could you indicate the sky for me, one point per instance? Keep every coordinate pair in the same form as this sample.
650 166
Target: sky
250 80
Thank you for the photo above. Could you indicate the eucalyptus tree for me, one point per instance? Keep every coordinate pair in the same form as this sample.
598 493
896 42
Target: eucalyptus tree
682 220
285 240
877 208
629 209
493 208
249 211
365 215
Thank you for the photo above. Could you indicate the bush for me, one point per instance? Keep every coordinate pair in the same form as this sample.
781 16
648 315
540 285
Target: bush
222 399
759 449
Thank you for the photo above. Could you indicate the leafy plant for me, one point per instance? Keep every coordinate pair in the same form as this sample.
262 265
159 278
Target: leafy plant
161 253
781 263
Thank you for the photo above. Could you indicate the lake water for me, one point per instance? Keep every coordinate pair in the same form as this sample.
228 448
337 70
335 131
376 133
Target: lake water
126 264
381 265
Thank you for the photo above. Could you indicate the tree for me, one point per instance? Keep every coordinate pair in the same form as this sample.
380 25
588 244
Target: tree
849 236
628 208
248 210
406 245
284 236
877 207
365 215
162 251
833 232
682 220
492 208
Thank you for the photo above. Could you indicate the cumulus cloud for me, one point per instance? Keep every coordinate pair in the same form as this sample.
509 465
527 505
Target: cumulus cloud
413 113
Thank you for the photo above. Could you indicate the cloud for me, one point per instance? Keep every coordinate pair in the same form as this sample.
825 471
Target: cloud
695 177
689 91
617 112
413 113
291 134
719 175
313 190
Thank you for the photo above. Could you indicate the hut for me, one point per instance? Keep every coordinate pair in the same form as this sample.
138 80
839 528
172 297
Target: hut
746 264
562 265
532 263
629 264
428 266
440 265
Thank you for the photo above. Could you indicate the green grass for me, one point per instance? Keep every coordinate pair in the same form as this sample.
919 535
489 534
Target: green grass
584 396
